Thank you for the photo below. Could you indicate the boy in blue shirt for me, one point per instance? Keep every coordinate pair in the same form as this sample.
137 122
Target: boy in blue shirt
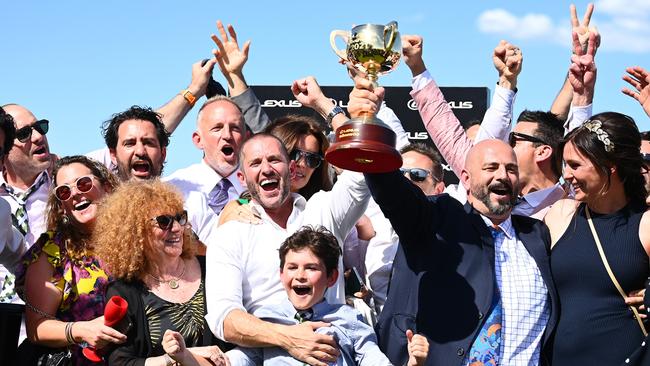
308 266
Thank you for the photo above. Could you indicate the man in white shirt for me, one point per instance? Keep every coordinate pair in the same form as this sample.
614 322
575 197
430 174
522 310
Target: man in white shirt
243 270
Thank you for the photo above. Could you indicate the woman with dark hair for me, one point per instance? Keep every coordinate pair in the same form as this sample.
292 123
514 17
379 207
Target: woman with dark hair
306 143
600 243
144 239
61 280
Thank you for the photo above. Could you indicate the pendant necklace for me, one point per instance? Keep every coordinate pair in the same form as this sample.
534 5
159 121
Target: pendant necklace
173 283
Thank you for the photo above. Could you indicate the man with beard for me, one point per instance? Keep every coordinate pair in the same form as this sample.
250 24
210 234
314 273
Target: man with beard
473 279
243 274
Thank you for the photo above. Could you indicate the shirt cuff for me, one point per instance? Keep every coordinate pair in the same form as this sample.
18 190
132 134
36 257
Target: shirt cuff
420 81
577 115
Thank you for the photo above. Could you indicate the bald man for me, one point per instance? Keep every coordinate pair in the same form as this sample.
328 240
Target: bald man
474 279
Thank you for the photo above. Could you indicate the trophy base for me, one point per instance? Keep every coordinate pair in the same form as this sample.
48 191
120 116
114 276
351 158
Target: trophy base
364 145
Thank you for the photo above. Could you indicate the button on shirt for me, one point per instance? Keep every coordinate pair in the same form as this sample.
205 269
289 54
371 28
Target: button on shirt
524 296
244 270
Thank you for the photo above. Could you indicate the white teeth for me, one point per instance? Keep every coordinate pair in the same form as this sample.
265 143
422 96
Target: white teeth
268 181
82 205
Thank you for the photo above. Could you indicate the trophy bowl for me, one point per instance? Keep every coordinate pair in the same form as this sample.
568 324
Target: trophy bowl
366 144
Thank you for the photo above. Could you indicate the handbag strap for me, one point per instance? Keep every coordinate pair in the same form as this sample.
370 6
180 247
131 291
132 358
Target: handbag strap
609 271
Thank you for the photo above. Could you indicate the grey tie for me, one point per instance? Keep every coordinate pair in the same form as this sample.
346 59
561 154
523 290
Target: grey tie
219 195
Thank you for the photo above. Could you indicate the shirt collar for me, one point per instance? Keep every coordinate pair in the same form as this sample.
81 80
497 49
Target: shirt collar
505 226
209 178
299 204
4 185
542 196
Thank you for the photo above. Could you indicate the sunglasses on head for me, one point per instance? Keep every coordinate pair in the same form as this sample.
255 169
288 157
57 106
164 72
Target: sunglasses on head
83 184
517 136
416 174
165 222
25 133
312 160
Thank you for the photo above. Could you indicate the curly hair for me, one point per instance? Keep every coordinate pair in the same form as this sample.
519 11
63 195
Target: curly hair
290 129
76 239
626 141
110 128
124 230
8 126
319 241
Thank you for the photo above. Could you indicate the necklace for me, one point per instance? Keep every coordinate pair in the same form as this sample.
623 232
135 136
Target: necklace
173 283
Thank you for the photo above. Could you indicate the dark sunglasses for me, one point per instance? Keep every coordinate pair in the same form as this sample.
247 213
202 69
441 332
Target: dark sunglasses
646 157
416 174
165 222
83 184
25 133
311 160
517 136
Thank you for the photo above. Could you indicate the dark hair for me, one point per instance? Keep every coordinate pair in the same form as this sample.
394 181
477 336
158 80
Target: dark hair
111 127
550 130
290 129
429 152
645 136
283 149
76 239
625 140
319 241
8 126
471 123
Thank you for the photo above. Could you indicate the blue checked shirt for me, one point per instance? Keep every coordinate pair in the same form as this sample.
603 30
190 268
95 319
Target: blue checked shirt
524 297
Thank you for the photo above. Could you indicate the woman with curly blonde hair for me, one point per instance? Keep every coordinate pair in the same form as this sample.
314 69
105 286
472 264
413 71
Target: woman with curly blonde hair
144 239
61 279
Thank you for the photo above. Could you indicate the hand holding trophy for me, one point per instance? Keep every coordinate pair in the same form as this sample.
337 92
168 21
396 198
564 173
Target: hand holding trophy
366 144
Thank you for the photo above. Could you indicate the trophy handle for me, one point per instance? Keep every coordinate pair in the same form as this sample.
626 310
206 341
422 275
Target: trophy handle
392 27
343 34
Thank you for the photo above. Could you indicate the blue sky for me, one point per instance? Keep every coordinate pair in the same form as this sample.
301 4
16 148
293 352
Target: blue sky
77 62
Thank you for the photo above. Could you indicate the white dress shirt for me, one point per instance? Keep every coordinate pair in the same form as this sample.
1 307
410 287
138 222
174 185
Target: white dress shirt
243 269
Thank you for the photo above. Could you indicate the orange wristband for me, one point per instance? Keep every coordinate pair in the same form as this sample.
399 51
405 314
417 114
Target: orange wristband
187 94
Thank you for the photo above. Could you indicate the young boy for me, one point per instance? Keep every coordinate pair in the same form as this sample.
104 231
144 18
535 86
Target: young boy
308 266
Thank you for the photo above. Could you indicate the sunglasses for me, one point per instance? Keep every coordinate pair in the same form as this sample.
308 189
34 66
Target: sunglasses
416 174
646 157
83 184
312 160
516 136
165 222
25 133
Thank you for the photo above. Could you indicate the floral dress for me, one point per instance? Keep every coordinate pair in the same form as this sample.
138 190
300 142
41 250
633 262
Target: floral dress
82 282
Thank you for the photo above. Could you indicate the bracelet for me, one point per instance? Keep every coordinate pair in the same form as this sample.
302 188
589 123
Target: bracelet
169 361
68 333
187 94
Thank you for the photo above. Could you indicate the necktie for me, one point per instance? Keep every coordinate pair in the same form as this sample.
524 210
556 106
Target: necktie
485 349
219 195
304 315
19 220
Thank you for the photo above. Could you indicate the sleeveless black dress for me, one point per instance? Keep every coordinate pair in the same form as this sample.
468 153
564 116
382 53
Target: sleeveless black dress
595 325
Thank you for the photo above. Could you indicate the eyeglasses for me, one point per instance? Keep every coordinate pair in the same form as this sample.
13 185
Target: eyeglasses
646 157
83 184
416 174
165 222
517 136
312 160
25 133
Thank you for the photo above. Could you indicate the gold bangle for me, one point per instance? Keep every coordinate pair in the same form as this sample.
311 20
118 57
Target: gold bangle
187 94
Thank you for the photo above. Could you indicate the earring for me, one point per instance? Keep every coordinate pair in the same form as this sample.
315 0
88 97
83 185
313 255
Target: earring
65 220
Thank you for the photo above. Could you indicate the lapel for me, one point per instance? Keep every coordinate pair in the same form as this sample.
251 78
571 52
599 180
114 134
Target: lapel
479 225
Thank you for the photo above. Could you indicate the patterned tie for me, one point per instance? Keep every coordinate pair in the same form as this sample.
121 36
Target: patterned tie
304 315
219 195
20 221
485 350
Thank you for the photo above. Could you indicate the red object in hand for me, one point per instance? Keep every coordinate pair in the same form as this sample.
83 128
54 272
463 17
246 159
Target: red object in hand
114 312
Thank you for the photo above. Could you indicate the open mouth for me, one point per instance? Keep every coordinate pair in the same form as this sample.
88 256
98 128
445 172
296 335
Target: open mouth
228 151
82 205
40 151
172 241
501 190
269 184
301 290
141 166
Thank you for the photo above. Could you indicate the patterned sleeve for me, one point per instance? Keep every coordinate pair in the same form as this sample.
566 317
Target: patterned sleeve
47 245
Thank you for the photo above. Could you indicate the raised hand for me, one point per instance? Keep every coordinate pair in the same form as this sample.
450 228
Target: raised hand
364 98
230 58
412 52
418 348
308 93
639 79
507 59
583 29
582 72
201 75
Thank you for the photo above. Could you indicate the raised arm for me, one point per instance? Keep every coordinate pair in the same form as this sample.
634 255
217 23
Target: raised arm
639 79
309 94
231 60
177 108
582 76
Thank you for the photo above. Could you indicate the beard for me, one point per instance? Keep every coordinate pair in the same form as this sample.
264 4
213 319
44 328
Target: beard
482 193
125 173
272 203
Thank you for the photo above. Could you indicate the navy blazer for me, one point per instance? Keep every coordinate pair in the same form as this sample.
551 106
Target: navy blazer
443 273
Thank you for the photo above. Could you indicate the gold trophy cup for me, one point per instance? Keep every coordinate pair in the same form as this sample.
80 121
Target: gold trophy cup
366 144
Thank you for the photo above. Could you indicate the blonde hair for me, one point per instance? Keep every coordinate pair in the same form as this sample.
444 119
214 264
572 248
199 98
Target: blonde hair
124 229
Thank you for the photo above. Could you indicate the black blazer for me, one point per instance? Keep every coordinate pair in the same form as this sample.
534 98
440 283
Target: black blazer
443 274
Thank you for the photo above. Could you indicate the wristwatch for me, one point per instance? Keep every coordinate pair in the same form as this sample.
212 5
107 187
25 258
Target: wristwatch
336 110
187 94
